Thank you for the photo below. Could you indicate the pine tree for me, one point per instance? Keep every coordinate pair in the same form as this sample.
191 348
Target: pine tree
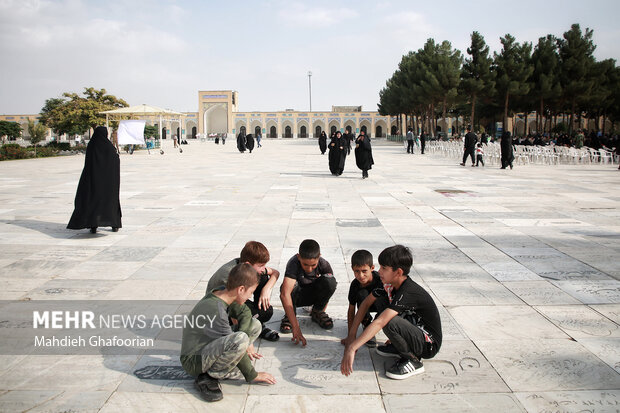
477 78
545 78
513 70
576 61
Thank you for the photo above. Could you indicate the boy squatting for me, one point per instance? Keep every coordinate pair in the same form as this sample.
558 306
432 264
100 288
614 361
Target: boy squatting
405 312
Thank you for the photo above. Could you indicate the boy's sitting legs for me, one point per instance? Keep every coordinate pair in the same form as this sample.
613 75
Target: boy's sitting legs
317 295
409 343
220 358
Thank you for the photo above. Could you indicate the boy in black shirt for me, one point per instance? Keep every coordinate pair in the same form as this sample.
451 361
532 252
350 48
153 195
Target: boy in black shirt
407 314
366 280
308 280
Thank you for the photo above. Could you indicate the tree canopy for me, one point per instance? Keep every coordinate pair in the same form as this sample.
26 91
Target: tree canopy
558 76
74 114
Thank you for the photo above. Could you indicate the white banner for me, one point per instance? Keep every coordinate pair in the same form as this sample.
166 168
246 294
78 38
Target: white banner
131 132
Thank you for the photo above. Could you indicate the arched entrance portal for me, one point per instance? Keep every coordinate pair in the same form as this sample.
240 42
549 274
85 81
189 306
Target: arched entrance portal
257 130
272 132
163 133
194 132
363 128
302 132
287 132
394 130
378 132
317 131
333 130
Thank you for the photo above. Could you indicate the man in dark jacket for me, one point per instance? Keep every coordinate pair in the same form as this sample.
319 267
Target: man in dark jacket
470 146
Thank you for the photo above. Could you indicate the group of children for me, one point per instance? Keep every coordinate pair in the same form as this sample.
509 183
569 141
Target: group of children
238 304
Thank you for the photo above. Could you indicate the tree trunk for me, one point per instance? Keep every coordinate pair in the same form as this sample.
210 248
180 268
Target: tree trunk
604 120
473 107
506 112
571 117
445 122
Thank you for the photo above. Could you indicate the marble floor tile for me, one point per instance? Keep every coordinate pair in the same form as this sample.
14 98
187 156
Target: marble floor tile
504 323
460 402
571 401
472 293
539 293
580 321
459 367
548 365
592 292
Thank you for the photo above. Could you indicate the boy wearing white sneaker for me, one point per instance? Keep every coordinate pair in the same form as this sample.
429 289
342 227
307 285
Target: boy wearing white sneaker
406 313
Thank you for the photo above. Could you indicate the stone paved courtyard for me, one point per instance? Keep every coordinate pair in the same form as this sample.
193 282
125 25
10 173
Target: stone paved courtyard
523 264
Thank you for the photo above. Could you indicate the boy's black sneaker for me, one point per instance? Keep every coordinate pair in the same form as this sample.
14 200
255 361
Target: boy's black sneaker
387 350
405 368
208 387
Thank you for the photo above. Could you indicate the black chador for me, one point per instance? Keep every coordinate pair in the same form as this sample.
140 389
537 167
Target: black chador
337 154
241 142
249 142
323 142
363 154
507 151
97 201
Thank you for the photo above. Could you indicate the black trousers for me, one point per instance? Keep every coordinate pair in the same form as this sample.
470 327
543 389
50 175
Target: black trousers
409 146
263 315
316 294
361 295
479 160
407 338
469 152
423 145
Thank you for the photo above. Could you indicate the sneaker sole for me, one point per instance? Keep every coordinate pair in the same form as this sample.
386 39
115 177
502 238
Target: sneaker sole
404 376
209 396
381 353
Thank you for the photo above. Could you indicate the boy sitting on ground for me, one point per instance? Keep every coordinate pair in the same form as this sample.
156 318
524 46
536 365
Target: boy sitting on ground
257 255
366 280
212 348
308 280
407 314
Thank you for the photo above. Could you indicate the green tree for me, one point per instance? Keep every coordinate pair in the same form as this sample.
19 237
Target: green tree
150 131
75 114
576 62
513 69
477 78
37 133
12 130
545 78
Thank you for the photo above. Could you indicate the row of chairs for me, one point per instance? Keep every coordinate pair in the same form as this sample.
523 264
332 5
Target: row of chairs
538 155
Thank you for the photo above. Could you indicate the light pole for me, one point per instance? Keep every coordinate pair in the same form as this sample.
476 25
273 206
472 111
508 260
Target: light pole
310 88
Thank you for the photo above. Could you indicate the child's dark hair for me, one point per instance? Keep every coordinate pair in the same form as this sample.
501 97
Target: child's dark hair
309 249
242 275
397 257
361 258
254 252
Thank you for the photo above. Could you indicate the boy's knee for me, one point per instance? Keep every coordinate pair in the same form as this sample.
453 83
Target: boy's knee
330 283
265 315
255 329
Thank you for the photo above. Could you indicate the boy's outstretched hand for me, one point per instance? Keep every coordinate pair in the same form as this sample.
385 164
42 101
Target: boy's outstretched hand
346 365
264 377
298 337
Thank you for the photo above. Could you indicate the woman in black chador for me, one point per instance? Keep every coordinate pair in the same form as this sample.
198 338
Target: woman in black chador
363 154
241 142
97 201
249 142
337 154
323 142
507 151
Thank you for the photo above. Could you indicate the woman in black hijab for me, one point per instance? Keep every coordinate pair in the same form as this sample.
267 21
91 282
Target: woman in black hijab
507 150
241 142
249 142
323 142
363 154
337 154
97 201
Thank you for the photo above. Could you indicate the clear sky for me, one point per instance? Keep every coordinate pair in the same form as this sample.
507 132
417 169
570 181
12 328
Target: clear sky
161 52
